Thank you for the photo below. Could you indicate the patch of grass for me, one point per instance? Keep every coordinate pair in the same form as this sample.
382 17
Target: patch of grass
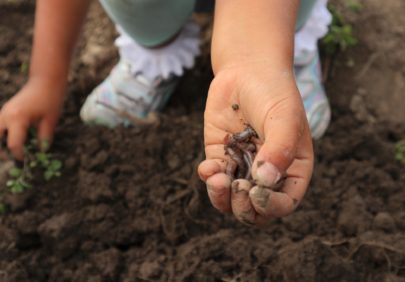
340 35
400 151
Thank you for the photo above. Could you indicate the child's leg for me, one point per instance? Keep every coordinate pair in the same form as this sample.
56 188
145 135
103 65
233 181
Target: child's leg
304 12
313 22
157 41
150 22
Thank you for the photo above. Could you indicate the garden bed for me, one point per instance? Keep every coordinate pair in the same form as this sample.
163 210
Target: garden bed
129 205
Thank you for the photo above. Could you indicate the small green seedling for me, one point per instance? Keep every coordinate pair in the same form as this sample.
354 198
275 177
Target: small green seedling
21 177
51 167
3 208
24 68
400 151
18 181
354 6
340 35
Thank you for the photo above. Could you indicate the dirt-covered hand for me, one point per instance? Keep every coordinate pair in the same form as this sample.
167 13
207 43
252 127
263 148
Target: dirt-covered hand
268 101
38 104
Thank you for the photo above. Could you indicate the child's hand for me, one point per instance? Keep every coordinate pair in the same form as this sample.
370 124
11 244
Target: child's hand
269 102
37 104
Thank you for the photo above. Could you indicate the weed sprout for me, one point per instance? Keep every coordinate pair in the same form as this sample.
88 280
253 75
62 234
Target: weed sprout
340 35
400 151
21 177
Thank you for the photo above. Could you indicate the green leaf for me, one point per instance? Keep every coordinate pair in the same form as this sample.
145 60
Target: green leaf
42 159
33 164
48 175
41 156
55 165
10 183
400 151
25 184
354 6
28 149
33 143
15 172
17 188
340 35
24 68
44 146
3 208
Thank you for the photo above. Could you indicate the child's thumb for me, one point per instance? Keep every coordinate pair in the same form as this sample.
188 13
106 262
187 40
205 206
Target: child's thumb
281 138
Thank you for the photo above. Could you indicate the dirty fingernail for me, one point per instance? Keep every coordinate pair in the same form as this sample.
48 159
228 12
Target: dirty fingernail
267 174
240 185
259 196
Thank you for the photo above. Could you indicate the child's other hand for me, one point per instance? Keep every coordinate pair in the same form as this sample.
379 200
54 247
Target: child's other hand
270 102
37 104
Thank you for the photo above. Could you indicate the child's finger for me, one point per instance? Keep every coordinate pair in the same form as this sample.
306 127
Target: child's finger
17 133
218 187
270 203
45 132
215 161
278 204
283 129
241 206
298 177
210 167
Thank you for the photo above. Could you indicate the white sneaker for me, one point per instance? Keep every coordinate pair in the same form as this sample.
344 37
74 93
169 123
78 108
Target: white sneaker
143 80
307 68
125 99
308 77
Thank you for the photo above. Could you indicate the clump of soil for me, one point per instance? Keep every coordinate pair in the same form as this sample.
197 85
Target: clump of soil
129 205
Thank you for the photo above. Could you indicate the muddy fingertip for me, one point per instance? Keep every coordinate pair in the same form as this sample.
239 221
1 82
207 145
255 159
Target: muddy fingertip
241 184
265 173
260 196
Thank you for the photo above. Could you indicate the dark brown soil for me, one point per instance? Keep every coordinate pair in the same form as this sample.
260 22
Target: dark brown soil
129 206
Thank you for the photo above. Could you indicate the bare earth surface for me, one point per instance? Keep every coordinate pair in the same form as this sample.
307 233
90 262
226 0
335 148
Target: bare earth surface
129 206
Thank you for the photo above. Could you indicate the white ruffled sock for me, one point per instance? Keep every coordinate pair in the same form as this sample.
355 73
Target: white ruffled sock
316 27
165 61
307 68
